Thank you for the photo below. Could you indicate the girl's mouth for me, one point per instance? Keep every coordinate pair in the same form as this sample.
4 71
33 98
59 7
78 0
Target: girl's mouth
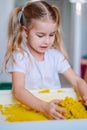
44 47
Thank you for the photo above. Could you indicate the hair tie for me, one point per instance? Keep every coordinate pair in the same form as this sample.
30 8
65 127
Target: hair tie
19 16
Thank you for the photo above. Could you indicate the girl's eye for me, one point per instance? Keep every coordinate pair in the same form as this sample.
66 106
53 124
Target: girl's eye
40 36
51 35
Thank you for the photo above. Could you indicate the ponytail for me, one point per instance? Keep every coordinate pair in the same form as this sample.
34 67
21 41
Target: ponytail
15 30
58 43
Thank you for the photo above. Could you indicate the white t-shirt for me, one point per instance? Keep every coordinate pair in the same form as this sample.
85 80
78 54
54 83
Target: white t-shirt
39 74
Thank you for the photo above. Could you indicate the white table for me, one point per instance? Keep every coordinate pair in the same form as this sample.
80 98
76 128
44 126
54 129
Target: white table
47 125
80 124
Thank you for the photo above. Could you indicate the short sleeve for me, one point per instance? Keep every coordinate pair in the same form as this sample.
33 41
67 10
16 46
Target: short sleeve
19 63
61 63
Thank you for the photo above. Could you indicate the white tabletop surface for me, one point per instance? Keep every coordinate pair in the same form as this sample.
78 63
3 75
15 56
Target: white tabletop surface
79 124
47 125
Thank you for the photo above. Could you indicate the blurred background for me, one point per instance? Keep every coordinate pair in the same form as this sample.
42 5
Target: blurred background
74 29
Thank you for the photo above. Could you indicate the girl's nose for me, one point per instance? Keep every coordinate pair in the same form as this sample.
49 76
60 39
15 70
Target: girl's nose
47 41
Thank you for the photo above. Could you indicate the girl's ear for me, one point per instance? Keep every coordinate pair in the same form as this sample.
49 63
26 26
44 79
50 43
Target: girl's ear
25 29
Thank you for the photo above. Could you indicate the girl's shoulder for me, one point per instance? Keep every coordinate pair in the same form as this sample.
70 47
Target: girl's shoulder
17 54
54 52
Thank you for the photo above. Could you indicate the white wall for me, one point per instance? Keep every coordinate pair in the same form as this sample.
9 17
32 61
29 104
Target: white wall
84 30
5 8
78 35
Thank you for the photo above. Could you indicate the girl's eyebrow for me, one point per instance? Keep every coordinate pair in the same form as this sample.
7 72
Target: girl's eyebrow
45 33
53 32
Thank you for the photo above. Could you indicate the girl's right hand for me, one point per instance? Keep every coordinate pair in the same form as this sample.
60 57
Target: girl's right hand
53 111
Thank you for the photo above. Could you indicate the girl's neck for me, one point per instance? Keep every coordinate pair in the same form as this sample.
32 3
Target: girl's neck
38 56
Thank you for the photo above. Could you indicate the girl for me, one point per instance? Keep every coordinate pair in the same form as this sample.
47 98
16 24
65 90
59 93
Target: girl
35 56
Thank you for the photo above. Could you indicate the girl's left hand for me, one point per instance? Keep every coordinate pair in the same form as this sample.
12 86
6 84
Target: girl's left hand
84 100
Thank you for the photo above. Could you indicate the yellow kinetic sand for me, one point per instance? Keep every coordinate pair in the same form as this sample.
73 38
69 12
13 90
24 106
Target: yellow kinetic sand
75 109
20 113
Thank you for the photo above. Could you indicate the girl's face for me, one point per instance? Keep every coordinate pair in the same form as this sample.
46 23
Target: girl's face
41 37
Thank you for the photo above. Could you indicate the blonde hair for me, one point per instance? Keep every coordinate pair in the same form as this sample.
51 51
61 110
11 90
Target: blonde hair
20 17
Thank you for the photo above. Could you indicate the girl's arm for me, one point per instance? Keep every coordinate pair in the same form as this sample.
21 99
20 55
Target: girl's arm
49 109
79 84
85 76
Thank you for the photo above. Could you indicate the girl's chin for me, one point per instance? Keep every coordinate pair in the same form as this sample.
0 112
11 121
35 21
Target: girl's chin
43 49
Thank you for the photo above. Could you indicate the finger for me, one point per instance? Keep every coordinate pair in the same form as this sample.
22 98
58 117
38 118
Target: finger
57 101
85 103
84 98
60 110
58 116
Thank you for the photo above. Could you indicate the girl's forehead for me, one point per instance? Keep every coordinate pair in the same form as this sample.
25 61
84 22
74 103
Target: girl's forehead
44 25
